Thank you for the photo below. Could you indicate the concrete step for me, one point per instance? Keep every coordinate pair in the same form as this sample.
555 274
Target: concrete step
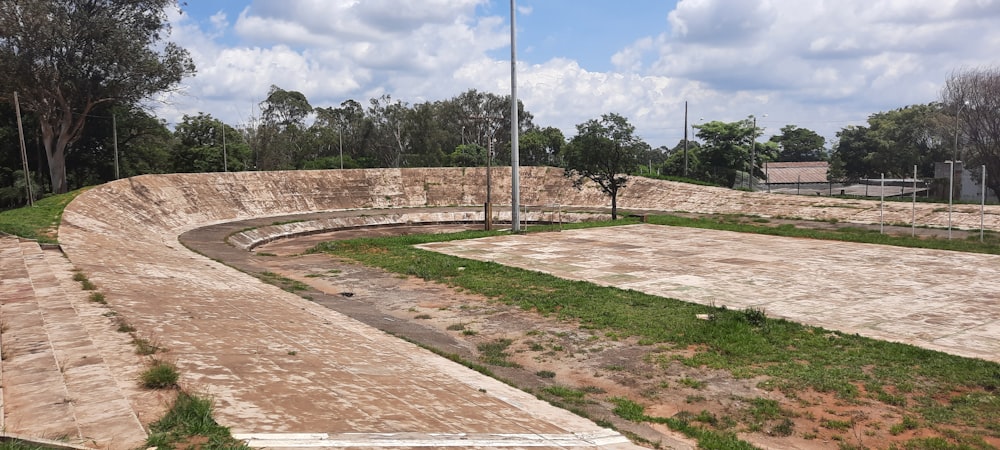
56 383
36 402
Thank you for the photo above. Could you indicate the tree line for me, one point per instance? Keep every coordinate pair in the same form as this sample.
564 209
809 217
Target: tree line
84 68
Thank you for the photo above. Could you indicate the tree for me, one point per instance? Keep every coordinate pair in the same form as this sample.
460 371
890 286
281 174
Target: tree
468 155
892 143
673 165
977 93
199 146
280 136
65 57
799 144
726 151
541 146
604 151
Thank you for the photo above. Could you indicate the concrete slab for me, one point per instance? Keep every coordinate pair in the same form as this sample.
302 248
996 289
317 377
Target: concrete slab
941 300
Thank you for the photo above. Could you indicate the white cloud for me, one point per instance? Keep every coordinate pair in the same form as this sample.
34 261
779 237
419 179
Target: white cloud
817 64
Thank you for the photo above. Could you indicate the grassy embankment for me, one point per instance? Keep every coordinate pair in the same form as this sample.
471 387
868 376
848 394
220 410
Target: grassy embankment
39 222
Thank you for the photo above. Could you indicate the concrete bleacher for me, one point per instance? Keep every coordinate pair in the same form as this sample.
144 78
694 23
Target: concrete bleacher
57 385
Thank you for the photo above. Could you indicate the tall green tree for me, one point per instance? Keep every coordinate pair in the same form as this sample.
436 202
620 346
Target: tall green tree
725 151
281 135
199 146
892 143
541 147
799 144
604 151
65 57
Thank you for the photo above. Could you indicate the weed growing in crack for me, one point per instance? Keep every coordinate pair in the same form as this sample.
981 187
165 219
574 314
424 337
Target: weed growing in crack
160 375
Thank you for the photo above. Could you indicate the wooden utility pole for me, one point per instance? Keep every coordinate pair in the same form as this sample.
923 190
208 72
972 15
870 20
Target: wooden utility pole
685 139
114 134
24 151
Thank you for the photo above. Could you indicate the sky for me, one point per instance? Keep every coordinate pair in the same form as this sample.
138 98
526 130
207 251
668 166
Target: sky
816 64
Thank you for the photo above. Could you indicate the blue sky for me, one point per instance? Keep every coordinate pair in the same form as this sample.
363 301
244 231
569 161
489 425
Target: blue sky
816 64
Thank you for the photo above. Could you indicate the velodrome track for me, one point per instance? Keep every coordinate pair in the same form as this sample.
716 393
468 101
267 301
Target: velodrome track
287 372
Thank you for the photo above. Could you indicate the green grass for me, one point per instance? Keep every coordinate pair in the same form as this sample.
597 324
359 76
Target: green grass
845 234
159 375
14 444
791 357
707 438
189 418
98 297
122 325
565 393
39 222
494 354
282 282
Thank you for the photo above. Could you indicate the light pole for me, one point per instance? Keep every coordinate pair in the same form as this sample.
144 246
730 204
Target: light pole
515 177
951 164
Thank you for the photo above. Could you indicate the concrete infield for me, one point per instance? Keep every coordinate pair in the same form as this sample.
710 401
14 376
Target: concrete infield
285 372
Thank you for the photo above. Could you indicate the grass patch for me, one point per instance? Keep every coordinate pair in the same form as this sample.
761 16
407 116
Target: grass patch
15 444
564 393
98 297
39 222
908 423
493 353
282 282
123 326
145 346
545 374
791 357
707 438
190 420
692 383
838 425
160 375
85 282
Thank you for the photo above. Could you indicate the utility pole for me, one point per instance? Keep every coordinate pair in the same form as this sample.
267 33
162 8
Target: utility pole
488 219
225 157
114 137
24 151
685 138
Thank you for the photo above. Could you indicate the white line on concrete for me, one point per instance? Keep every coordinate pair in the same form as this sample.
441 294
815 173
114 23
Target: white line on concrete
314 440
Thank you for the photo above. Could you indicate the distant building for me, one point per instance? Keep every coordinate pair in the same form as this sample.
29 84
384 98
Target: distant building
968 188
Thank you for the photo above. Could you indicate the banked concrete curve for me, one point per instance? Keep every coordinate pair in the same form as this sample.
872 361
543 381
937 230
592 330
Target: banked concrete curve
282 369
